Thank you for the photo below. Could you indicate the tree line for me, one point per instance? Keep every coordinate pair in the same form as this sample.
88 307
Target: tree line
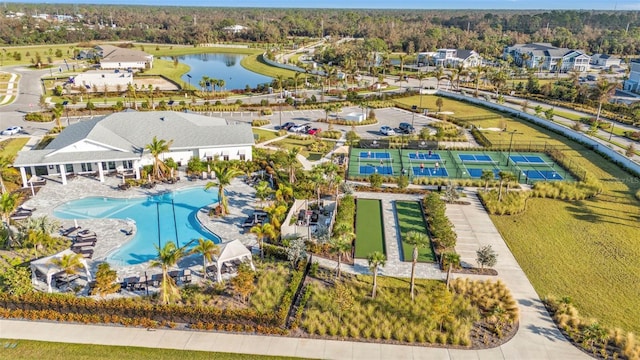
612 32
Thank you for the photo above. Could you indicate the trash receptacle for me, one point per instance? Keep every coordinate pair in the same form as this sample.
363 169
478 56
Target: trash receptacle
439 188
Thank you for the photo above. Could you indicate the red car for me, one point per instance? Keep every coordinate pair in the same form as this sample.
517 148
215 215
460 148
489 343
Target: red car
314 131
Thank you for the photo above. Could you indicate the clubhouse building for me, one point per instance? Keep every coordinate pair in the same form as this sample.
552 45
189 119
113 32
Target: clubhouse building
116 144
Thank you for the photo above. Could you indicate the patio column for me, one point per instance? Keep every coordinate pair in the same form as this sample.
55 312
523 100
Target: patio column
100 172
23 174
136 166
33 170
63 174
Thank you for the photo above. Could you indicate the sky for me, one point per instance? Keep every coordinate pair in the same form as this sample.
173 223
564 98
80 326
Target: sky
377 4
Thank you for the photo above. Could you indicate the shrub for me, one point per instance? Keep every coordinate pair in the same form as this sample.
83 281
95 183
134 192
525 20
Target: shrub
36 117
260 122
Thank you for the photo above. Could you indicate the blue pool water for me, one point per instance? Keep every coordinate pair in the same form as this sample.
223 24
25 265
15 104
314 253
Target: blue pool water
170 214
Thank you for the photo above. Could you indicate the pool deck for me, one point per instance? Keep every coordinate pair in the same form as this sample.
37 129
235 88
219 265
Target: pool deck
110 232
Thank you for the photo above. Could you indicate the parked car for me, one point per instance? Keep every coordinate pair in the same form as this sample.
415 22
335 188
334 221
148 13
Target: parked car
406 128
386 130
287 125
301 128
314 131
12 130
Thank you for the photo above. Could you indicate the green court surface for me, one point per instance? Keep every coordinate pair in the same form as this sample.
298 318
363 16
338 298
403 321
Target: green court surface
369 230
410 218
447 164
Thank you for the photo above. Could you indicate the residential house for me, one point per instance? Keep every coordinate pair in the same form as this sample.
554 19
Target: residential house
450 58
633 82
113 57
544 56
116 144
604 60
234 29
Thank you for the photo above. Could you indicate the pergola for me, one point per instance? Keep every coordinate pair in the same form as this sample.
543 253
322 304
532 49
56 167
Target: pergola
48 268
233 250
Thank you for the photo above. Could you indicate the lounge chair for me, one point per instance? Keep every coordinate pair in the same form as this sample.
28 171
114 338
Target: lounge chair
249 222
85 243
155 280
85 234
86 253
68 231
20 215
124 186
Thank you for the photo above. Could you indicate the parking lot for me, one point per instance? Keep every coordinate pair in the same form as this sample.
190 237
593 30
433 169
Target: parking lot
391 117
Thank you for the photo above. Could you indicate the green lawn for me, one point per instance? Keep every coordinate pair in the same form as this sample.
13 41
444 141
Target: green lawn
458 108
167 69
302 144
256 64
26 349
369 230
410 218
265 135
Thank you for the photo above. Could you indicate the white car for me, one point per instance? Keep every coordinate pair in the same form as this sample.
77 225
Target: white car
387 130
12 130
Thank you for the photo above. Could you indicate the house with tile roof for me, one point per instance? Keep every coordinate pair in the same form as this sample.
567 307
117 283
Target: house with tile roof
113 57
545 56
116 144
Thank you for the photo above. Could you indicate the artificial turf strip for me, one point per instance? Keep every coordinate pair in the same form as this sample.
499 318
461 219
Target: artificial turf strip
410 218
27 349
369 231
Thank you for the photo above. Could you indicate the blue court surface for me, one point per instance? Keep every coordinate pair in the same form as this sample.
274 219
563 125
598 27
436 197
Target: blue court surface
517 159
542 175
374 155
370 169
475 158
440 172
477 173
424 156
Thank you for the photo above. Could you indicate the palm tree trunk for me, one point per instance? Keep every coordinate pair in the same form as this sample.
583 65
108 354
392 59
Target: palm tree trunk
598 115
500 191
448 275
375 282
339 261
204 267
262 247
413 272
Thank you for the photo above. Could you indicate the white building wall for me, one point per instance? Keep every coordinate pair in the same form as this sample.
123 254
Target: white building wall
123 65
181 157
233 152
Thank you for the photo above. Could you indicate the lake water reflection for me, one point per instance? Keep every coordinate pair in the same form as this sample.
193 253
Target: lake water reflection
220 66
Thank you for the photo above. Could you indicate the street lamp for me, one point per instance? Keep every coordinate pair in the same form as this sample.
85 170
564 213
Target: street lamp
611 132
280 102
513 132
189 79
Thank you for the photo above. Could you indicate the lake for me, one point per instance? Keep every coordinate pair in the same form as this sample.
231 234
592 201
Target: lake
220 66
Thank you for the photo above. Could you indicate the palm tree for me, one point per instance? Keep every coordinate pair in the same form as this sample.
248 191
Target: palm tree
263 190
57 114
487 175
341 246
6 166
559 67
208 249
505 176
450 260
417 240
8 204
376 259
221 84
69 263
261 232
276 215
524 58
224 172
479 71
168 256
602 92
284 192
157 148
438 74
296 77
291 162
280 80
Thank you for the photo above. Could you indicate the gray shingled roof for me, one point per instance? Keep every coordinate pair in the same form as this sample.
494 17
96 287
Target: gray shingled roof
127 133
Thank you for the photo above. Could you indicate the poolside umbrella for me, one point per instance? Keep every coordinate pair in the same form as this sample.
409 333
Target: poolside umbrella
75 222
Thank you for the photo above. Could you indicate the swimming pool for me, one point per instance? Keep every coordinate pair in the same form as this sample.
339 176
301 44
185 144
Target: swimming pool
160 218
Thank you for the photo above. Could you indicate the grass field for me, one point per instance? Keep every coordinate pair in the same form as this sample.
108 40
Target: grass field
410 218
458 108
168 70
25 349
586 250
289 143
369 230
256 64
265 135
